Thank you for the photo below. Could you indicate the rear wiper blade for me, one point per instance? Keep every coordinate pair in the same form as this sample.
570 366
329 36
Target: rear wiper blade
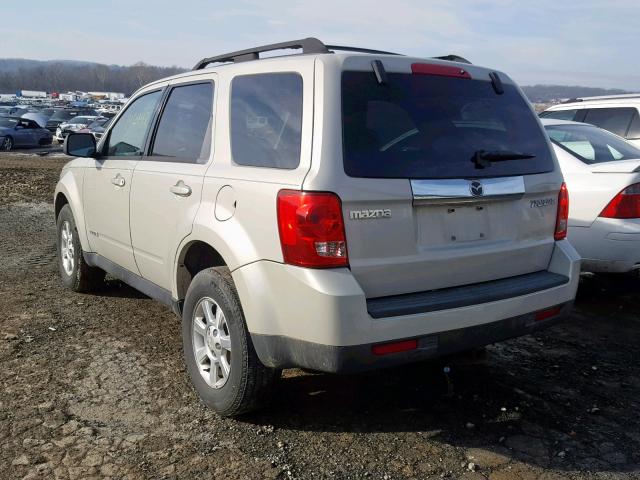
484 158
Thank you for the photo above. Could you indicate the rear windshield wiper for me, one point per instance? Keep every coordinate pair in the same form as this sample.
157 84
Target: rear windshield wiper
484 158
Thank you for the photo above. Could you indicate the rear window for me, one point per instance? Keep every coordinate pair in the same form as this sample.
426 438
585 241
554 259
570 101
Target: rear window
591 144
423 126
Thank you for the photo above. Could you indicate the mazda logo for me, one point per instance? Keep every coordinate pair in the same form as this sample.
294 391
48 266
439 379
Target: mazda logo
475 188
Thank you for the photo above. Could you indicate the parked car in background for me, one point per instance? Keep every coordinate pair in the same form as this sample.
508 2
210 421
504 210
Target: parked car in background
21 132
73 125
37 117
620 114
602 172
337 211
13 111
97 127
65 114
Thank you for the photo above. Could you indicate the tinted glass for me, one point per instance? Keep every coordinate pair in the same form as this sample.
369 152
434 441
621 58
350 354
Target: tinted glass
423 126
560 114
266 120
615 120
184 132
592 144
64 115
128 134
634 129
98 122
8 122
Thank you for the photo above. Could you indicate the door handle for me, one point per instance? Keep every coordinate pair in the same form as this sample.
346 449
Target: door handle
181 189
118 181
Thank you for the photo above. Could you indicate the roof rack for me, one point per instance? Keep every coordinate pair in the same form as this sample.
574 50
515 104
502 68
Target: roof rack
360 50
621 96
307 45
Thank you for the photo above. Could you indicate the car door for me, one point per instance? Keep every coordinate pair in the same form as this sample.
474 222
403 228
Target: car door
167 183
107 184
32 131
22 136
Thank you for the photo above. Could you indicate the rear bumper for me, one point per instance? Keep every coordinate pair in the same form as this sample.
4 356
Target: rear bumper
283 352
608 246
321 319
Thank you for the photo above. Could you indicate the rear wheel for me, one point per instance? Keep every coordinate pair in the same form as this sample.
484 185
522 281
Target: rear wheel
75 273
219 355
7 144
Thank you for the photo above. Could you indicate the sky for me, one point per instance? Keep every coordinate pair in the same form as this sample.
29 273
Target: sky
588 42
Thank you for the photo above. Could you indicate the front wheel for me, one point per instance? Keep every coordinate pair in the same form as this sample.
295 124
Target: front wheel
75 273
220 358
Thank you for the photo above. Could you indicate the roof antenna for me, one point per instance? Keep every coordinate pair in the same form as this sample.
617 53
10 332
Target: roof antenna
381 73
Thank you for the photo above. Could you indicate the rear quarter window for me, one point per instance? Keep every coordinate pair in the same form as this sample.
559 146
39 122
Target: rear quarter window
423 126
266 120
616 120
634 128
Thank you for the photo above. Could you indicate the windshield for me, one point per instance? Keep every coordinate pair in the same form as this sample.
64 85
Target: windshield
63 115
8 122
81 120
424 126
100 122
592 144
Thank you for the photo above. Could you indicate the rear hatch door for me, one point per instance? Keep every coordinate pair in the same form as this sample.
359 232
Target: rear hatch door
420 214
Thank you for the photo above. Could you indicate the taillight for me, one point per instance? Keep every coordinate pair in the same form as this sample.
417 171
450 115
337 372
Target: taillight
562 218
311 229
624 205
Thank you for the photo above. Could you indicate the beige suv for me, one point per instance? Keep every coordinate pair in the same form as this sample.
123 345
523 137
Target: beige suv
339 210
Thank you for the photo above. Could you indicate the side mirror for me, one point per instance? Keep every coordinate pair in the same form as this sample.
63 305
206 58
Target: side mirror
80 145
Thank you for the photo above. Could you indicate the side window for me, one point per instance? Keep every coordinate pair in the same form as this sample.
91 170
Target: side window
127 135
634 129
559 114
184 131
616 120
266 120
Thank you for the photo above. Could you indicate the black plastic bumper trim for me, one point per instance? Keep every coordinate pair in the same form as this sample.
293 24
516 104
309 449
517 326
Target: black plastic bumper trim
284 352
455 297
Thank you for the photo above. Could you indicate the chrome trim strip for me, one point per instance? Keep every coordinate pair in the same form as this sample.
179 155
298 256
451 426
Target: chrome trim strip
451 191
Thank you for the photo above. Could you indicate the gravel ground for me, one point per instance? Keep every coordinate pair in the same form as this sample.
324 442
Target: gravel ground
93 386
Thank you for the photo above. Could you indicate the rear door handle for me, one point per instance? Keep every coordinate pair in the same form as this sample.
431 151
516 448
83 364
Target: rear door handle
181 189
118 181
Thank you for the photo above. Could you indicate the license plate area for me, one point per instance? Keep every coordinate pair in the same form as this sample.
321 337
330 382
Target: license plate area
467 223
453 224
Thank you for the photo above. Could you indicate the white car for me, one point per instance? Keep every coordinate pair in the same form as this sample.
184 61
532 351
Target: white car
73 125
619 114
602 173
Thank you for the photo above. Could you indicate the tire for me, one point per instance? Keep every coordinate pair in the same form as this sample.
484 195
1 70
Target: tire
7 144
75 273
248 384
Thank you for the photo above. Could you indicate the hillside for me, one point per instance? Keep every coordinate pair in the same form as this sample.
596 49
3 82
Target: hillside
70 75
548 93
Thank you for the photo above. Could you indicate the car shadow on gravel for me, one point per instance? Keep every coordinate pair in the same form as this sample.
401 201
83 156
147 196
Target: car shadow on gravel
117 289
564 398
